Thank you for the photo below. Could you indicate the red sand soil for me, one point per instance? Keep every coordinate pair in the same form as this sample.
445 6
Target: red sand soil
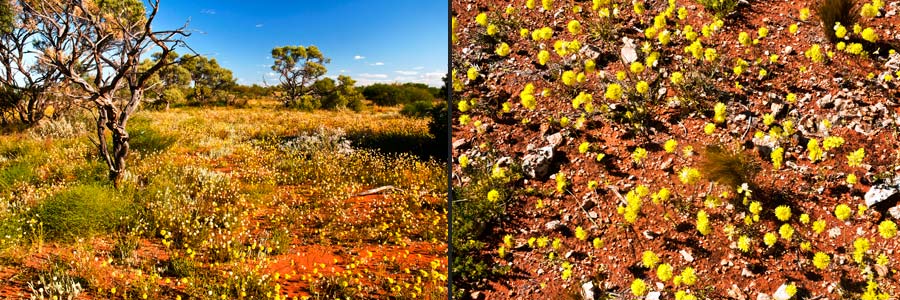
301 261
816 190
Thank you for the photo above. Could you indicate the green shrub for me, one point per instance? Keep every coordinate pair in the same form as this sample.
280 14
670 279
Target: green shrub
394 94
82 211
439 128
834 11
720 8
473 213
418 109
19 161
16 172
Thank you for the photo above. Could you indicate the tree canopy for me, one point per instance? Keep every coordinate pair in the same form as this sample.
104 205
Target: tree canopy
297 68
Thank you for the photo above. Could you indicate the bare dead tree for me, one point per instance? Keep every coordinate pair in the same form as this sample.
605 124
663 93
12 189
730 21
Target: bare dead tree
24 81
97 46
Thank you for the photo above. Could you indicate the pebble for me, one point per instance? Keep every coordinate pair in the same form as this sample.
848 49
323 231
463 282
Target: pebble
686 255
747 273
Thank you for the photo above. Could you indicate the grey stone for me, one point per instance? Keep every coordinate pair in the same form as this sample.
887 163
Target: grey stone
590 51
460 143
776 108
536 164
788 50
826 101
555 139
765 145
747 273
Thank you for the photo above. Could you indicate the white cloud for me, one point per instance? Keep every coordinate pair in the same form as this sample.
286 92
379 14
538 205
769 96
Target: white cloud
437 75
405 79
259 25
208 11
368 81
358 57
406 73
419 68
367 75
378 64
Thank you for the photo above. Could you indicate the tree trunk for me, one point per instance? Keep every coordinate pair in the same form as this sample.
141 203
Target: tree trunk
108 119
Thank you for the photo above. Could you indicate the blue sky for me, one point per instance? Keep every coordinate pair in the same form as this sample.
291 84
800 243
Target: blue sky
372 41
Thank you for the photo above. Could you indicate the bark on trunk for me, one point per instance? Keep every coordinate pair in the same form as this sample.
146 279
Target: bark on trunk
109 119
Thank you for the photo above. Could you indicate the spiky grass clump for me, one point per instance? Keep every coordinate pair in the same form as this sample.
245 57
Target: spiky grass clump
729 168
836 11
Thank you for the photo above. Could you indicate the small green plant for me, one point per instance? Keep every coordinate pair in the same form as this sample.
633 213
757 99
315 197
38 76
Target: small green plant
720 8
56 284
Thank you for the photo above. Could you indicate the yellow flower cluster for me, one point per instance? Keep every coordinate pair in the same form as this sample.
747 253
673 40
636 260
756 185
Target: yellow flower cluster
703 223
855 158
842 212
527 96
542 34
814 53
821 260
815 152
649 259
689 175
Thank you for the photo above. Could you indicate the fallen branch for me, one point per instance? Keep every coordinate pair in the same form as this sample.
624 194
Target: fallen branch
378 190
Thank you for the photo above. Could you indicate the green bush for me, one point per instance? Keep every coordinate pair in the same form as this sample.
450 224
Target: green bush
82 211
439 128
418 109
19 161
473 214
394 94
720 8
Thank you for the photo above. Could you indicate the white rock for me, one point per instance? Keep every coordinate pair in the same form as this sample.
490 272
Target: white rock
893 63
781 293
735 293
629 50
895 212
653 296
587 290
881 192
834 232
686 255
763 296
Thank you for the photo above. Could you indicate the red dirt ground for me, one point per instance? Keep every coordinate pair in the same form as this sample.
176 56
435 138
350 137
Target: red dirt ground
719 265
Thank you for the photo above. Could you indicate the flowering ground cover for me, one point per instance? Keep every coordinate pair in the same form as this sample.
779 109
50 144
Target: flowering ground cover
226 203
675 149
